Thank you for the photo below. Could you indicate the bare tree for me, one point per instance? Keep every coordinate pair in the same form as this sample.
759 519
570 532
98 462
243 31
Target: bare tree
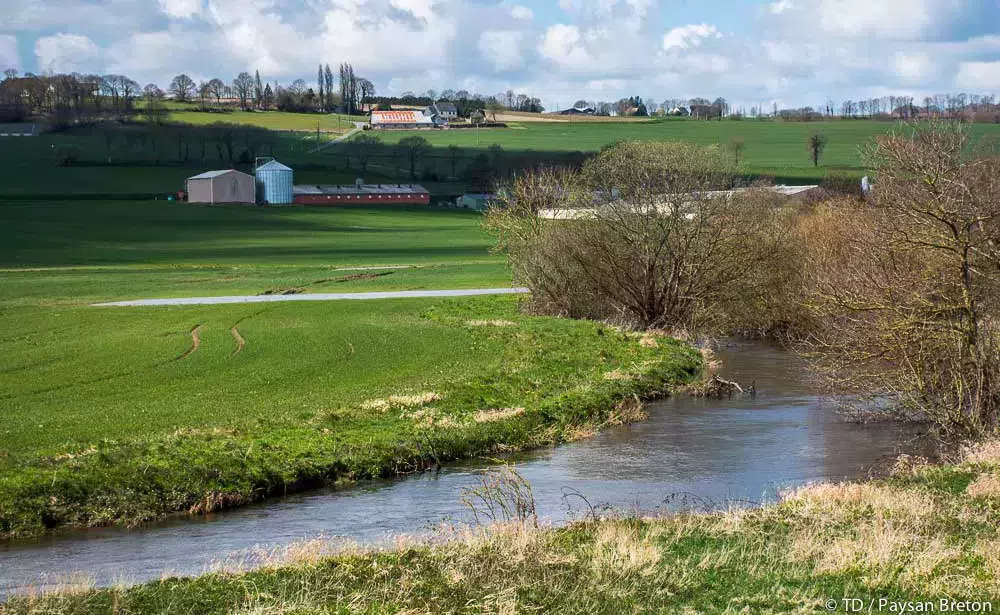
736 147
367 90
454 155
650 244
258 90
319 81
363 147
182 88
815 144
906 290
216 88
243 87
415 148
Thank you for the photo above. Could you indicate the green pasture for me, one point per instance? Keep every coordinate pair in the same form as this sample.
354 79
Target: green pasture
273 120
770 148
65 233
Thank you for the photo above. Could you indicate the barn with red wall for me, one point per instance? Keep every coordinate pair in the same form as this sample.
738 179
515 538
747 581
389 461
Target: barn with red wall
362 194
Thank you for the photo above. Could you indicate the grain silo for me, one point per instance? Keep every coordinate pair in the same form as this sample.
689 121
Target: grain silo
274 183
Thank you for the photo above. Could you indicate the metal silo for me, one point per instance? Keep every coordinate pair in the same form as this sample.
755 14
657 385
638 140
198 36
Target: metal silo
274 183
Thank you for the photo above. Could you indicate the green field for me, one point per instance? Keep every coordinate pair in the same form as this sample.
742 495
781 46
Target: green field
124 414
922 540
274 120
770 148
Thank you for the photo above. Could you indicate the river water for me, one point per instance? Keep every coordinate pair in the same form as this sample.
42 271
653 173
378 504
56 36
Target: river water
689 451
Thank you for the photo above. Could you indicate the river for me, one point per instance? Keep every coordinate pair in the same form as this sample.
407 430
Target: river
689 450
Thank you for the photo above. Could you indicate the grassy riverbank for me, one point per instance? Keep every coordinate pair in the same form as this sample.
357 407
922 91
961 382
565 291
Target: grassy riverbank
923 535
122 415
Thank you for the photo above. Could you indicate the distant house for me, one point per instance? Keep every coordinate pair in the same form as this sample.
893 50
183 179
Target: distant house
226 186
446 110
19 129
404 120
579 111
679 112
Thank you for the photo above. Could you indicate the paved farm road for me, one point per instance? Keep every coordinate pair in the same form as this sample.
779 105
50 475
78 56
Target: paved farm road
317 297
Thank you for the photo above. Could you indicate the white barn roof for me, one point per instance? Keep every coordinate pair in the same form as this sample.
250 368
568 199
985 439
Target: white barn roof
211 174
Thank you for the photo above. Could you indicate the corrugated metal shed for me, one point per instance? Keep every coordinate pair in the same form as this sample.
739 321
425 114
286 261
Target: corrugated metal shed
224 186
211 174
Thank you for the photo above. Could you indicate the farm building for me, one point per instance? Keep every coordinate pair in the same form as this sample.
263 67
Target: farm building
226 186
405 120
446 110
361 193
25 129
274 183
579 111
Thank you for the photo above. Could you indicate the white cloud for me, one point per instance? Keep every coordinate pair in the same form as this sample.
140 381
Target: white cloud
421 9
9 57
888 18
607 85
180 9
912 67
521 12
686 37
502 48
780 6
978 76
562 45
68 53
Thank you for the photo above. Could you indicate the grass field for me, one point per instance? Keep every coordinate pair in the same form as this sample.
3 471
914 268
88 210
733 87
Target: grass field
923 540
124 414
274 120
773 149
770 148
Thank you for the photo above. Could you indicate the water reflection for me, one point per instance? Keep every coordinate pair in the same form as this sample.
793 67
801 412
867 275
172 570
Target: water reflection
718 450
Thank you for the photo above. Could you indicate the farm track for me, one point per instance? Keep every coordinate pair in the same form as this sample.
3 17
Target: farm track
195 343
240 342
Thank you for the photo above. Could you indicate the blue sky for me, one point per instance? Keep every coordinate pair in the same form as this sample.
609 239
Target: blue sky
795 52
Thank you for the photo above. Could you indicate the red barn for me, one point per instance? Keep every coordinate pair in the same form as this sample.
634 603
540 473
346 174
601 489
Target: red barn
362 194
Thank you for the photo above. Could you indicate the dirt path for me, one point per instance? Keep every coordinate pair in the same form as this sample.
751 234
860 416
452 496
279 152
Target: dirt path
195 343
399 294
358 127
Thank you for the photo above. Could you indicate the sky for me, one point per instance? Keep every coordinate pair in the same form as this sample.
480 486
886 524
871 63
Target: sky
790 52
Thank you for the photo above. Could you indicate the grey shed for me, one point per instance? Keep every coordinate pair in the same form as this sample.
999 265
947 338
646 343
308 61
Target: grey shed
227 186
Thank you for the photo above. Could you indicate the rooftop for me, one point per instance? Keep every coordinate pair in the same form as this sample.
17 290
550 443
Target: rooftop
362 189
211 174
273 165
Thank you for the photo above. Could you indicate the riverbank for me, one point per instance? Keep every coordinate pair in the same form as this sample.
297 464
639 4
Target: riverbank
923 535
193 417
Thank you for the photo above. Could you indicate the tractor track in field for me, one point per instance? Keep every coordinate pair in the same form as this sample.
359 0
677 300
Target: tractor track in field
237 336
240 342
195 343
